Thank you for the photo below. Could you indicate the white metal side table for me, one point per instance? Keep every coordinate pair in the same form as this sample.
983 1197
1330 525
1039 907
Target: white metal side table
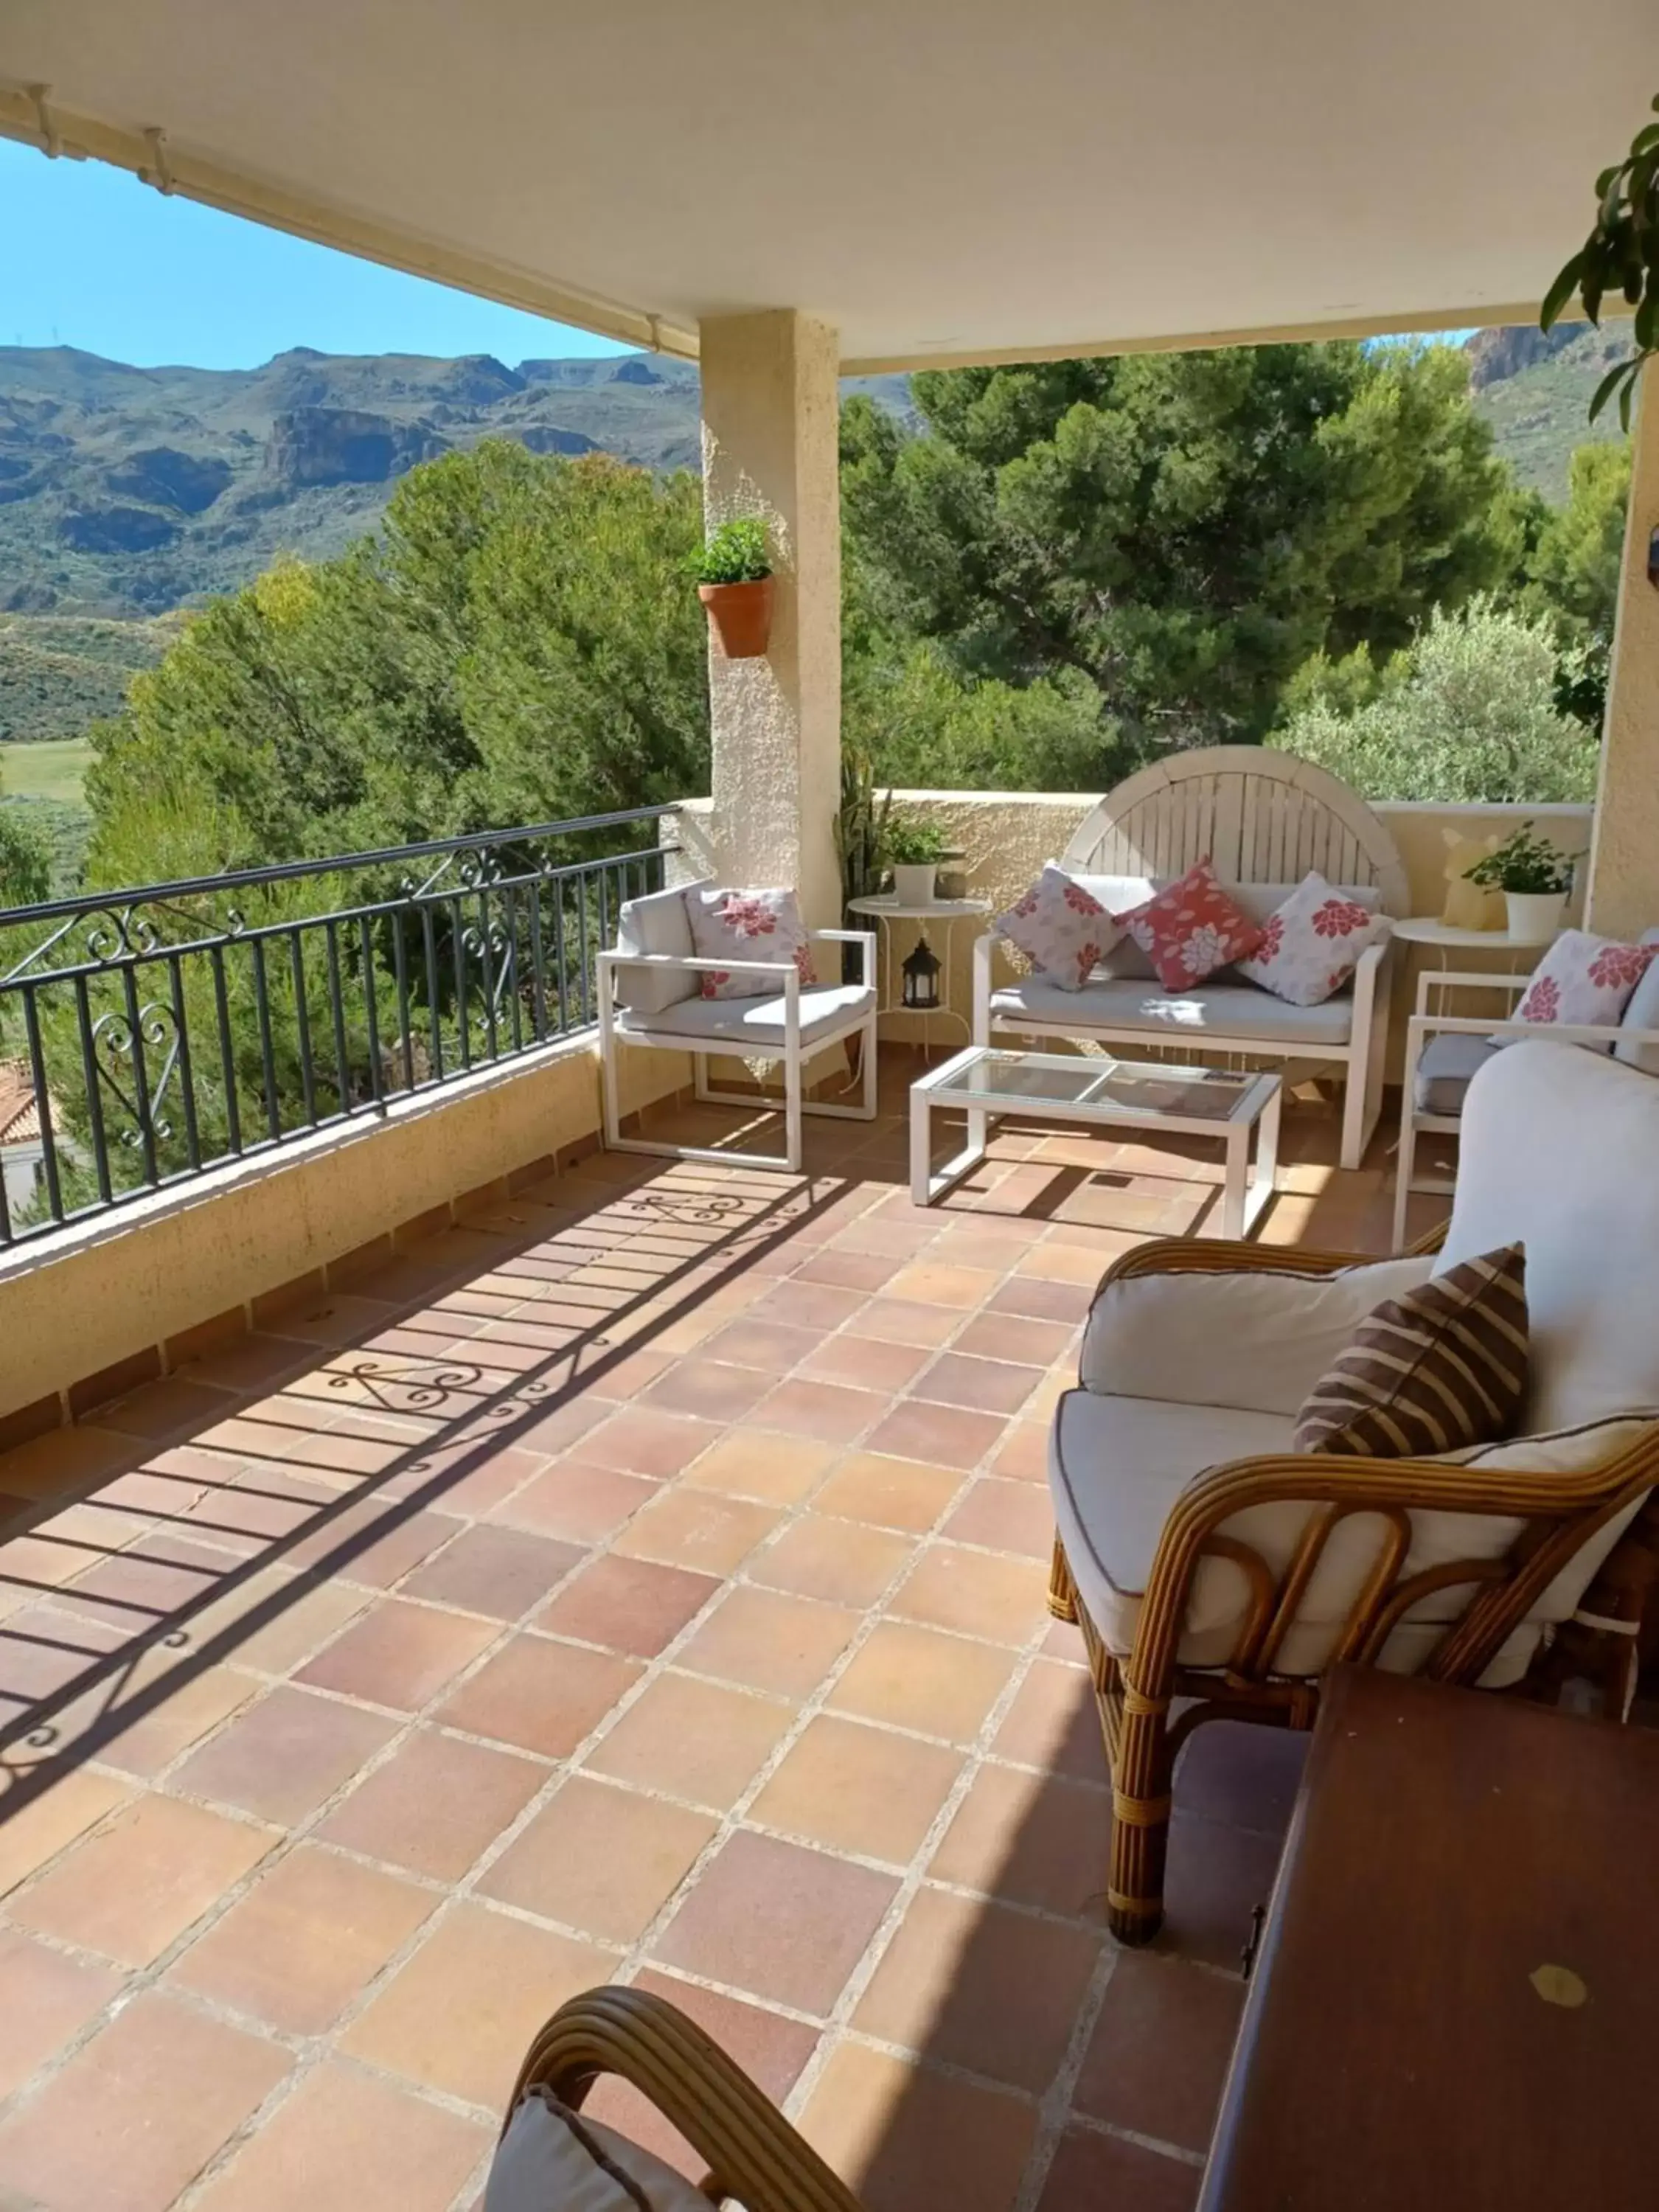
884 910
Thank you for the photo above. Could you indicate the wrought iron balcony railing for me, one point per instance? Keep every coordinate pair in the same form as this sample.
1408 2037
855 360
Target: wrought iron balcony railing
165 1029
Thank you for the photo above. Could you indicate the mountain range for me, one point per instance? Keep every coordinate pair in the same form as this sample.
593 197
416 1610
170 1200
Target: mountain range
128 493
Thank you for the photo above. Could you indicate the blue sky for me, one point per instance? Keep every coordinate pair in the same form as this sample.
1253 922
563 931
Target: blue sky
91 258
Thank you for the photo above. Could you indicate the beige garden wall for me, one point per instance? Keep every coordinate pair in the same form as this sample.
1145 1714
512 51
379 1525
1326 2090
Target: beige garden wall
1006 836
98 1300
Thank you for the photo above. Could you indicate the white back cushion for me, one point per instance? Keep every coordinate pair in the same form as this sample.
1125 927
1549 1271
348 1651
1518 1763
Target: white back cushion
1262 900
1643 1013
1560 1153
658 923
1253 1339
1118 894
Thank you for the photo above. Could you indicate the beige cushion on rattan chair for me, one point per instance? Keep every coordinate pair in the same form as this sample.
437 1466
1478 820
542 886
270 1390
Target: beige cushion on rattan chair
545 2164
1255 1341
1117 1465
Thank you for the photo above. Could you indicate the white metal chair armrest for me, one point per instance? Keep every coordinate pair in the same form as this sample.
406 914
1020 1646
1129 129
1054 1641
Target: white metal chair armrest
864 938
984 945
1435 982
1538 1032
696 963
1362 1093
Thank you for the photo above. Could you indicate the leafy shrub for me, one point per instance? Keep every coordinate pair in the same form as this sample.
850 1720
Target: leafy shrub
1466 713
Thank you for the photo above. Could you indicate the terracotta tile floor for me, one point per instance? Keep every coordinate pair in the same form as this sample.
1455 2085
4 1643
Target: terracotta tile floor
642 1580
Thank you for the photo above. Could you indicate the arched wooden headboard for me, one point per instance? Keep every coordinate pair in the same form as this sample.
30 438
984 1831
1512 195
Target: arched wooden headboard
1262 817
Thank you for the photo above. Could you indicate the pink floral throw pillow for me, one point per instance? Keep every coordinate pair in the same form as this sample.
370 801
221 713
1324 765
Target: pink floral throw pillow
1311 945
764 925
1063 930
1582 980
1191 929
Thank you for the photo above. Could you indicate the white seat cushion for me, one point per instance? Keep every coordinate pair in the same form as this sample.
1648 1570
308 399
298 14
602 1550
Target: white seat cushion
1236 1010
545 2165
1560 1153
1448 1064
1117 1465
758 1023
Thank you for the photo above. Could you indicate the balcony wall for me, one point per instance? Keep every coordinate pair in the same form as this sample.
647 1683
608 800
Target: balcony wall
95 1310
91 1310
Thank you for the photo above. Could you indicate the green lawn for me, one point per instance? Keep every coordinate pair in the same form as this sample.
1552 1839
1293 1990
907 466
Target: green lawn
51 770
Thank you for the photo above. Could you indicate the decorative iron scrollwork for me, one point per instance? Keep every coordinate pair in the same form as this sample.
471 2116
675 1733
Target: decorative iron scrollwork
119 1050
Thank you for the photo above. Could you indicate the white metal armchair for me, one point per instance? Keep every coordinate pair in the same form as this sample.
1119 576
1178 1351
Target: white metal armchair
650 996
1446 1046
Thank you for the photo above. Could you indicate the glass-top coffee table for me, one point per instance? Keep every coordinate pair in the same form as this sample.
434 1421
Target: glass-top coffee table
985 1083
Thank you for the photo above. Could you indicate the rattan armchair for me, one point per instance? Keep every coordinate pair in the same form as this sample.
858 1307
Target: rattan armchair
754 2157
1532 1536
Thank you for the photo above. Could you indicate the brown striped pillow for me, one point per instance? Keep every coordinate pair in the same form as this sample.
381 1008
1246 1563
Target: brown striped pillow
1442 1367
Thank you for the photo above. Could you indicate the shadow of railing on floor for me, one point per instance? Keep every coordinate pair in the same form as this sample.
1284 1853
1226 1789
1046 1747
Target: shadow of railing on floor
471 1413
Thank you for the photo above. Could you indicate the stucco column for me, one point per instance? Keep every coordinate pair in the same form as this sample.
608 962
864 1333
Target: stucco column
1624 878
770 441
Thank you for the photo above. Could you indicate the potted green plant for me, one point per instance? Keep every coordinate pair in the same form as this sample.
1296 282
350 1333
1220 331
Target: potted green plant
914 850
735 582
1534 877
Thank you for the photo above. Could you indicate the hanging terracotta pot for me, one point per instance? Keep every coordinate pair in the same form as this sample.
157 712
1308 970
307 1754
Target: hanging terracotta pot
739 617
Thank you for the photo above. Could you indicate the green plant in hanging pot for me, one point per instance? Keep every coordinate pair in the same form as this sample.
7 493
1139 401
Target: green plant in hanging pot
1620 255
735 582
1535 878
914 849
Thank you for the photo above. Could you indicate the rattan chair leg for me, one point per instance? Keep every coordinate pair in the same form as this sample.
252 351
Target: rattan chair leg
1062 1592
1140 1820
752 2153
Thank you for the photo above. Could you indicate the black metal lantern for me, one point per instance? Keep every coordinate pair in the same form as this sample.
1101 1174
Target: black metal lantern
921 972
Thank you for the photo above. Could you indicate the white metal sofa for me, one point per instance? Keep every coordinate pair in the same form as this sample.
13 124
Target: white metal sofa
1447 1045
1207 1560
1264 819
650 996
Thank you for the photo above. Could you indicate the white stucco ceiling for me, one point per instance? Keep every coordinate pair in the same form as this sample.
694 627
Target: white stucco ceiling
937 178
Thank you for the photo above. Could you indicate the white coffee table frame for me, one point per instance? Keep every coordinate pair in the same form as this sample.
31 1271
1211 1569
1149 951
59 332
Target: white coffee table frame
1099 1092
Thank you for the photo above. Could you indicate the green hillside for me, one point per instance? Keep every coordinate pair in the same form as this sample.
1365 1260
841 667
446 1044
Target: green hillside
1535 392
59 672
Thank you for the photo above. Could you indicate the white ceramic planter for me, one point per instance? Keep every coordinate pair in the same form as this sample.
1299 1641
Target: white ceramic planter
1535 916
913 885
